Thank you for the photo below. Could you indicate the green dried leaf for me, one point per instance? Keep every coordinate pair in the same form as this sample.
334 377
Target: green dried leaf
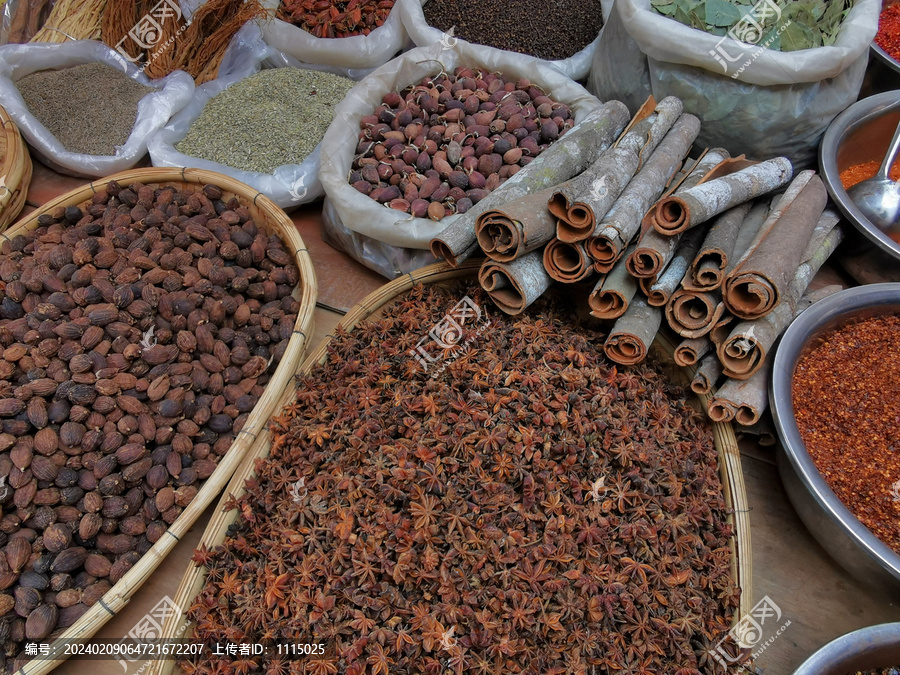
797 36
807 23
722 13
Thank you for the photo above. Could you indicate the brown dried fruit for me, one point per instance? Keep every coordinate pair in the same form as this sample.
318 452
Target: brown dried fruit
97 565
57 537
41 622
68 560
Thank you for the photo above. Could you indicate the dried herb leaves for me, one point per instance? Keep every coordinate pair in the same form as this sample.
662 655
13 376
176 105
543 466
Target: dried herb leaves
529 508
803 24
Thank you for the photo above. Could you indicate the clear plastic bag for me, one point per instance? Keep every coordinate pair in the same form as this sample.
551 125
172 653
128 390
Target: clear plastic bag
20 20
349 215
289 185
352 57
576 66
752 100
154 109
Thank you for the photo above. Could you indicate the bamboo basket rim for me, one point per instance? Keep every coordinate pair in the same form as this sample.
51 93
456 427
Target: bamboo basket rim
726 445
15 171
270 217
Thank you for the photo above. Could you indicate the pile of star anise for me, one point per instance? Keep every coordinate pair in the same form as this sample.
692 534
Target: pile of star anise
525 508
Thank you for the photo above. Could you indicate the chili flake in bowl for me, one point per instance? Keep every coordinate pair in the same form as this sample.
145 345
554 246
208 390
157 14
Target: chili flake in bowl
834 395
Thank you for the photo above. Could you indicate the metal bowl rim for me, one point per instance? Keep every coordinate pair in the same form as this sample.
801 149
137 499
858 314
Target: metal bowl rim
851 119
803 329
885 58
849 645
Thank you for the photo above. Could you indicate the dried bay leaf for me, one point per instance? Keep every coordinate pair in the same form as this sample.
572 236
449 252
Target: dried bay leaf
802 24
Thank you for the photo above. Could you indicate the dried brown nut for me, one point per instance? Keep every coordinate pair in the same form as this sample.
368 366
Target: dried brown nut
68 560
41 622
89 526
97 565
57 537
18 551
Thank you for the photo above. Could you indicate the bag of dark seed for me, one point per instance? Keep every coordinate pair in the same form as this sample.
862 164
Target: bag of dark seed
259 122
83 108
753 88
562 33
402 159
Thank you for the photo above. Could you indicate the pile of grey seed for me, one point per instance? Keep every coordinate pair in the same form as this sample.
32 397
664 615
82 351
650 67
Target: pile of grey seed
264 121
89 108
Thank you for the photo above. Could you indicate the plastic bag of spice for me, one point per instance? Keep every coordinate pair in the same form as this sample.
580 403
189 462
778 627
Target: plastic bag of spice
388 241
153 110
288 185
422 34
352 57
751 99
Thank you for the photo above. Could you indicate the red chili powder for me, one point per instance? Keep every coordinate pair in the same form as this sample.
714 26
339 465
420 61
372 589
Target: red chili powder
888 36
860 172
846 394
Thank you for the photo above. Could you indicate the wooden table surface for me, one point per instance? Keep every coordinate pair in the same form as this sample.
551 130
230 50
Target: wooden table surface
818 598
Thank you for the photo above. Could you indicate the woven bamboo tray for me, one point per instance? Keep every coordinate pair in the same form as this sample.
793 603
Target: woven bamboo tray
732 478
271 218
15 170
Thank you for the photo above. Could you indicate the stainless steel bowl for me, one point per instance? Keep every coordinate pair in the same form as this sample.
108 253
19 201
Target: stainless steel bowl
860 134
839 532
885 58
864 649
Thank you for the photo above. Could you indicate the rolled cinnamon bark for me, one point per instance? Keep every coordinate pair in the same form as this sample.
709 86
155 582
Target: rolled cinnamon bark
633 333
761 277
567 263
514 285
742 400
580 147
661 291
515 228
623 220
655 250
580 203
680 212
721 329
612 294
707 375
689 352
745 349
693 314
708 267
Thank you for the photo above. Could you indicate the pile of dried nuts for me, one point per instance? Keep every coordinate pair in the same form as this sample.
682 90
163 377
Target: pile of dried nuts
137 332
437 148
529 508
336 18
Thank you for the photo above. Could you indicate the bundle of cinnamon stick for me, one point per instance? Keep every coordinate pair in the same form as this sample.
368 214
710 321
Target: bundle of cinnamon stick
699 245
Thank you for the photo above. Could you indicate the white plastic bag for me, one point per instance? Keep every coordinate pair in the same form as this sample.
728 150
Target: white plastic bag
576 66
289 185
350 214
353 57
154 109
752 100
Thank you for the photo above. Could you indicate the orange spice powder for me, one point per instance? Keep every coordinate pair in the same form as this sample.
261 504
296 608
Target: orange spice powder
860 172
